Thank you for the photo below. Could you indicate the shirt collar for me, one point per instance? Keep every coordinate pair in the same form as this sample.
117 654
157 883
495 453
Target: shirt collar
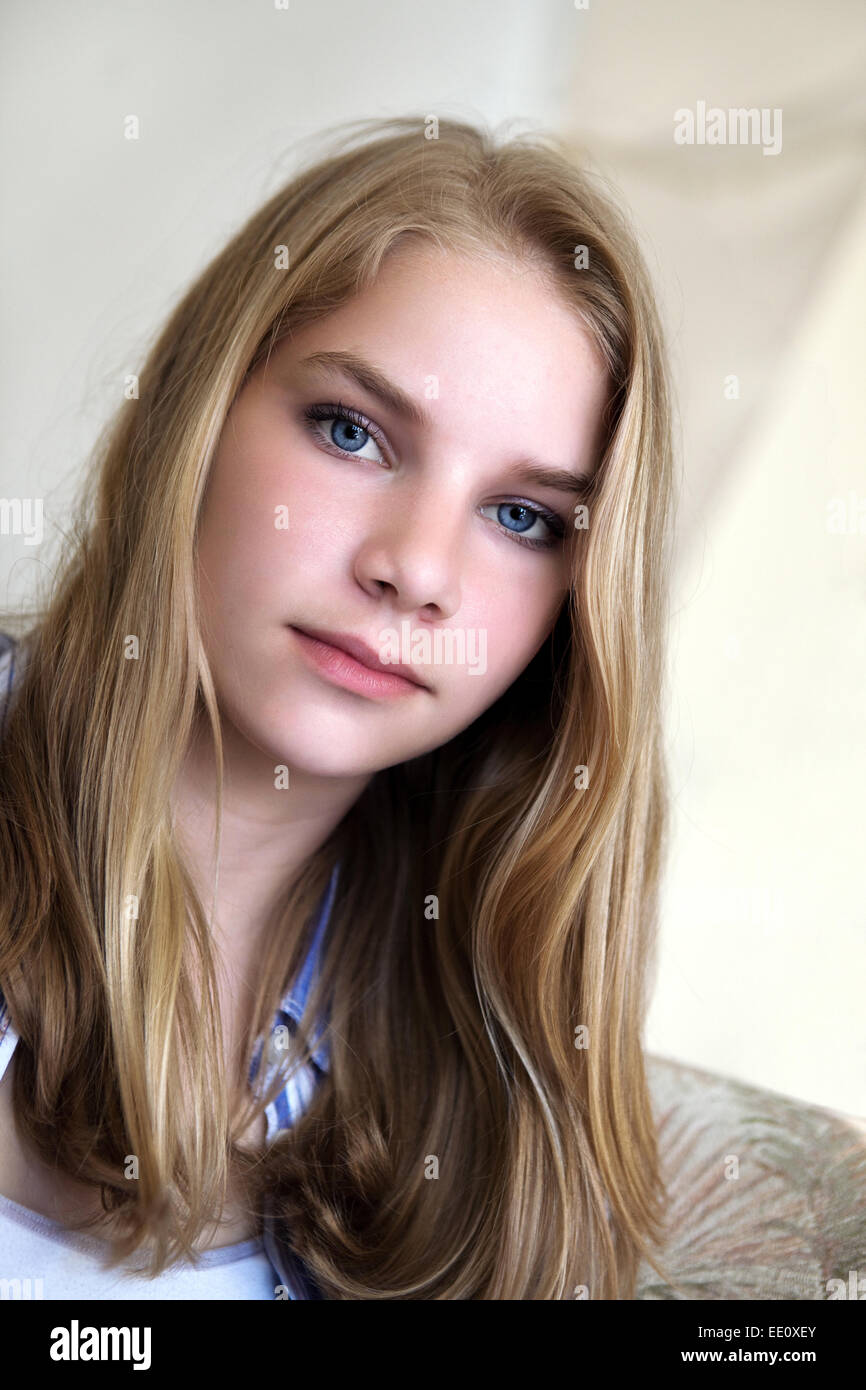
295 1000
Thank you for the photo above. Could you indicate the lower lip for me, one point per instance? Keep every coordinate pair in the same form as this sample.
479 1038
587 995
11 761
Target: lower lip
341 669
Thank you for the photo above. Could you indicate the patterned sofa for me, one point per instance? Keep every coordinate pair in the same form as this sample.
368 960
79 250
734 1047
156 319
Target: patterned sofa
767 1193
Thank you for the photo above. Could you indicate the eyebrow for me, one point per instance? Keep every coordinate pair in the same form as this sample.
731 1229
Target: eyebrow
374 380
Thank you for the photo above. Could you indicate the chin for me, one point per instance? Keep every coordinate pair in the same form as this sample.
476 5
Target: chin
311 745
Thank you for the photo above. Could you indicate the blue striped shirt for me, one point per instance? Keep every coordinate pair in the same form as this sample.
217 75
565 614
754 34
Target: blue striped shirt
292 1100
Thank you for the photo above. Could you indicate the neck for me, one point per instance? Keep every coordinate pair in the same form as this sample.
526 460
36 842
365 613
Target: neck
267 836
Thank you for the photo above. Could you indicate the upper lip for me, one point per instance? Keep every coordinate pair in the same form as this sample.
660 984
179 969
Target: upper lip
361 651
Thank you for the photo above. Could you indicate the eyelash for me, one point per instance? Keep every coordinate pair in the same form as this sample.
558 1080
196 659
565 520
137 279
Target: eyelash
314 414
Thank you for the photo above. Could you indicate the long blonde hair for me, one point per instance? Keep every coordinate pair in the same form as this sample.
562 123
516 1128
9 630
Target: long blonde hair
503 1037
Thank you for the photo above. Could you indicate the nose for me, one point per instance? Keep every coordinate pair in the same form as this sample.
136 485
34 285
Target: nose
413 549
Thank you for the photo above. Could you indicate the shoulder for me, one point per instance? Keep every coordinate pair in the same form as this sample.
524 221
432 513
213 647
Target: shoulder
767 1193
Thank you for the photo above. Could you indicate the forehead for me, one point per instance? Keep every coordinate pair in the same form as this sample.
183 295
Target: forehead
492 326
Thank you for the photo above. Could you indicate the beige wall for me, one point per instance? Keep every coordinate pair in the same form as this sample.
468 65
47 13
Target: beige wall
763 951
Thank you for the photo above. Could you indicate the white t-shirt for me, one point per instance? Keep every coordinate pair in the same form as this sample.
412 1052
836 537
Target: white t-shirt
40 1258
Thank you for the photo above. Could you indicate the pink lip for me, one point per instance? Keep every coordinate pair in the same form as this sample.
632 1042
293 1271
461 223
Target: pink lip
349 662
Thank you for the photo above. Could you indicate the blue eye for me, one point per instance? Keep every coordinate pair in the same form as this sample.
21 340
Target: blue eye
346 429
352 437
519 518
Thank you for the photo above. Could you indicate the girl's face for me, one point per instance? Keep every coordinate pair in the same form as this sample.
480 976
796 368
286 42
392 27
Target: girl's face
374 482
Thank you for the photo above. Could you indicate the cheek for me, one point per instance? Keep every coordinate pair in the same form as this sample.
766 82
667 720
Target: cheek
508 634
236 545
519 609
256 525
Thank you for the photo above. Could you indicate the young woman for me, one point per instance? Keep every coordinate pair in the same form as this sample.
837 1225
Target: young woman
332 793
